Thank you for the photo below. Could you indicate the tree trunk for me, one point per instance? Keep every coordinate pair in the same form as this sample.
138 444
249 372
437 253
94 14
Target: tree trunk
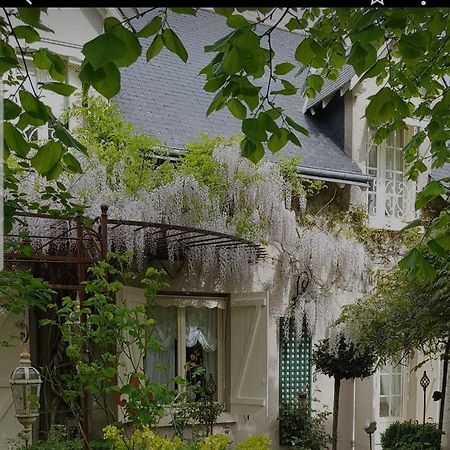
443 393
337 387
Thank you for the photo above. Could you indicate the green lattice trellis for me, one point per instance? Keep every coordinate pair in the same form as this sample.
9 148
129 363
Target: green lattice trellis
295 366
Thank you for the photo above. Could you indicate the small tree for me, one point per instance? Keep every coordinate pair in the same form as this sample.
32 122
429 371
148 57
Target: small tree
342 359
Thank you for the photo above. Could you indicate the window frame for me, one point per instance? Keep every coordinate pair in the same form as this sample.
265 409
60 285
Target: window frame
378 196
177 300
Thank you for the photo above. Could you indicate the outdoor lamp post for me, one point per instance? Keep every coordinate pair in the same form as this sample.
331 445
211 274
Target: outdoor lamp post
370 427
25 385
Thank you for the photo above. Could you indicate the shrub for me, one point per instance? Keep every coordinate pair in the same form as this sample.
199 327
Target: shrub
408 435
215 442
258 442
302 427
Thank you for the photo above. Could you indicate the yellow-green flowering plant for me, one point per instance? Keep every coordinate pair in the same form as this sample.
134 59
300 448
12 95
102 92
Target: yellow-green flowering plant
257 442
141 439
215 442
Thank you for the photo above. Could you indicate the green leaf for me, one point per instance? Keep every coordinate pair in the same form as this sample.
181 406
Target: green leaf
294 139
47 157
10 109
172 42
283 68
383 106
214 83
297 126
237 21
59 88
278 140
289 88
14 140
254 130
362 56
46 60
413 224
431 191
28 33
105 80
7 63
217 103
67 139
224 11
30 16
309 52
315 82
133 48
415 263
440 246
232 62
371 33
151 28
103 49
186 11
33 106
251 150
72 163
155 47
237 109
412 47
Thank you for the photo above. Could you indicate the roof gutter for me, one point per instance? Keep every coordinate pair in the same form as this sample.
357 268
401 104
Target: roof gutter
335 176
332 176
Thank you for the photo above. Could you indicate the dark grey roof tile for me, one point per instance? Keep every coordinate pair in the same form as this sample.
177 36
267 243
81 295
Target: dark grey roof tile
165 97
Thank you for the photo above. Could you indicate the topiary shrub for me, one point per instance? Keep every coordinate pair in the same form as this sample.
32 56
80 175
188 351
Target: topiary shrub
408 435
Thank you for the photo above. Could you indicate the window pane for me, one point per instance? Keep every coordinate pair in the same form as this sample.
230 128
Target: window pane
400 138
201 341
396 384
384 384
384 407
399 160
372 160
390 139
161 366
396 406
389 159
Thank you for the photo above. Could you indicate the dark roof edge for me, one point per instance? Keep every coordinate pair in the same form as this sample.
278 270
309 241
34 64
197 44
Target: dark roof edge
335 176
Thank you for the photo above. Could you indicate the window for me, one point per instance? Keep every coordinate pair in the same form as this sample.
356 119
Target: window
191 333
391 397
390 199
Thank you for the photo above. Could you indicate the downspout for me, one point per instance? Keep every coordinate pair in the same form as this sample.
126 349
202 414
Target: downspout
354 416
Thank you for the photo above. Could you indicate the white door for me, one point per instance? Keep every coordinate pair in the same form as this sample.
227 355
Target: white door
9 427
389 398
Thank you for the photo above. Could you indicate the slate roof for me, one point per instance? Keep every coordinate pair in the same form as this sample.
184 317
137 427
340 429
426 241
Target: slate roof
165 97
331 87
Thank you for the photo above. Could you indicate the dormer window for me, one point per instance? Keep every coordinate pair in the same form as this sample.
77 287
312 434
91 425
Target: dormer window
390 198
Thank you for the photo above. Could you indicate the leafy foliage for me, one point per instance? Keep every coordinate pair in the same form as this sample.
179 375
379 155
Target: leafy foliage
102 329
403 314
343 359
19 290
302 427
410 435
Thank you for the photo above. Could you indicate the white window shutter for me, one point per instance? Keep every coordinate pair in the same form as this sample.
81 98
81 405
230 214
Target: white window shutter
132 359
248 338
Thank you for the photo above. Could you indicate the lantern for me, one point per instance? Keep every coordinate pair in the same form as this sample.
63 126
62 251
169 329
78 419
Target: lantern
25 385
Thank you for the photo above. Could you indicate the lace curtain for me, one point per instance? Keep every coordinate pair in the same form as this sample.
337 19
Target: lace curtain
200 332
201 328
160 366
